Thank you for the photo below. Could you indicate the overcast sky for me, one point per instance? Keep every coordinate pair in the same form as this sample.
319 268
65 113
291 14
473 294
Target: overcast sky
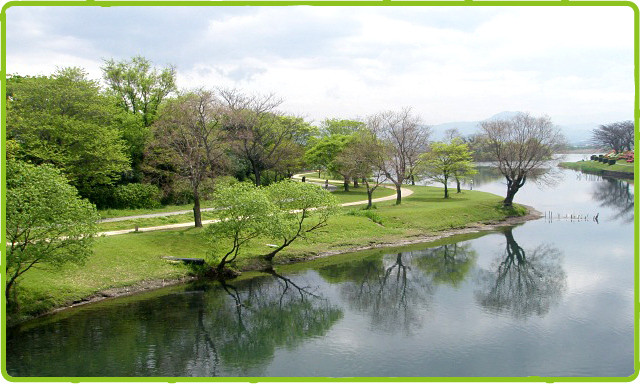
574 64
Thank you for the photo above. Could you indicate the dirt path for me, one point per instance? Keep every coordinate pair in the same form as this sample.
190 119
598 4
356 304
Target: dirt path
405 192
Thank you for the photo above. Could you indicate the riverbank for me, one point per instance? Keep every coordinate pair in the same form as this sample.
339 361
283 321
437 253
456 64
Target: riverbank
621 169
136 262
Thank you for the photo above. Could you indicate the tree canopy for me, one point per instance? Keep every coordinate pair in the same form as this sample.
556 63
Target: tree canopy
65 121
446 160
521 145
618 136
47 223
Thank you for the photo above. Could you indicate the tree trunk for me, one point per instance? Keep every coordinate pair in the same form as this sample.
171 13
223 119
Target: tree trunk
370 198
513 186
256 173
355 182
458 185
197 215
346 184
413 180
398 195
446 189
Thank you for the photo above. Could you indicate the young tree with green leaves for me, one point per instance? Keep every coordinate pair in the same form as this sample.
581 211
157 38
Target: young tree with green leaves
47 223
446 160
64 120
245 212
139 86
324 152
302 209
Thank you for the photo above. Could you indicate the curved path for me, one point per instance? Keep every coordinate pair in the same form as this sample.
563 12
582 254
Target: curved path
405 192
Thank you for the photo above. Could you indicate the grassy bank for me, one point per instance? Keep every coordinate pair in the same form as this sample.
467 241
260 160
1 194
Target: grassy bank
136 258
597 167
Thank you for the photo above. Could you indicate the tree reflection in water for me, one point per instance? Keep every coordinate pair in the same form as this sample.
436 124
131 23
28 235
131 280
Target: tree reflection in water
522 283
616 195
394 290
207 330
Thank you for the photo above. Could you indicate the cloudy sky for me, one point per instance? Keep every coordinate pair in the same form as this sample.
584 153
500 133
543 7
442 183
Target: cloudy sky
574 64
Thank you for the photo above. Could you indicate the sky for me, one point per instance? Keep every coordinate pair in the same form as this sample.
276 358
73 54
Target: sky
449 64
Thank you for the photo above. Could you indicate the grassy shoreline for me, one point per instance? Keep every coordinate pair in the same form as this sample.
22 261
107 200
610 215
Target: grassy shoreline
620 169
136 262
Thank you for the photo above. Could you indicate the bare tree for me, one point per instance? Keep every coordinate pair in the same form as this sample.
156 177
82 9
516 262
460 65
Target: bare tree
187 140
258 132
521 145
403 139
618 136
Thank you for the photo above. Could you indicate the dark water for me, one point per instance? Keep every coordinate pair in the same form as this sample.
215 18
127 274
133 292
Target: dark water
552 298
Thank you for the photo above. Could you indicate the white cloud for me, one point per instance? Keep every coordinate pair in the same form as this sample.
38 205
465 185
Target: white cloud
450 64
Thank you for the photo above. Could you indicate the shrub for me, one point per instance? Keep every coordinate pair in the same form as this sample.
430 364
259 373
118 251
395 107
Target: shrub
134 196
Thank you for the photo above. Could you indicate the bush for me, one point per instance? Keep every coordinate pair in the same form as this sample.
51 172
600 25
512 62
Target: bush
134 196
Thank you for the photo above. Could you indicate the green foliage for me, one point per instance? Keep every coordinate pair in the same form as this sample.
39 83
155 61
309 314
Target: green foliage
245 213
135 196
139 87
331 127
302 209
46 222
324 152
63 120
445 161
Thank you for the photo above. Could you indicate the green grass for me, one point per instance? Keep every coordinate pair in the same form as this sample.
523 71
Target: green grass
109 213
129 259
598 167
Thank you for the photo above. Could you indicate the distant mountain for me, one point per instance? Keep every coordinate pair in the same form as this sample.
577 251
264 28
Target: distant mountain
576 134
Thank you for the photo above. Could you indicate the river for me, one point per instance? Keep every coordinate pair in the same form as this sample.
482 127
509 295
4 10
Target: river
553 298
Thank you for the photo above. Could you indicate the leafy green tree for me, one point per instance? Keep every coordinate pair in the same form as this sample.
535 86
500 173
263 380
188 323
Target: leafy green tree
187 142
303 208
47 224
139 87
65 121
324 153
445 161
331 127
245 212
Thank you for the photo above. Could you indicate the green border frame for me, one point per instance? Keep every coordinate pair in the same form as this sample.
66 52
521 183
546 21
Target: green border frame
380 3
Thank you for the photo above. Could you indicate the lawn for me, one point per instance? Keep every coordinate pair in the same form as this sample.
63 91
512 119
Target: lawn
129 259
598 167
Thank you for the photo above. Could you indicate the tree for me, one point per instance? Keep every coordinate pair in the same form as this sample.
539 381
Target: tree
618 136
444 161
325 151
245 212
523 282
330 127
140 88
303 208
187 141
403 139
521 145
256 130
361 155
65 121
47 224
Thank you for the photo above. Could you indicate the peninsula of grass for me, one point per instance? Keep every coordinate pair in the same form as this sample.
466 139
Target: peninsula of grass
620 169
135 259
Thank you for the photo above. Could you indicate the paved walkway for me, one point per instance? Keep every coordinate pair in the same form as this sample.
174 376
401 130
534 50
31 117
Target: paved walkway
405 192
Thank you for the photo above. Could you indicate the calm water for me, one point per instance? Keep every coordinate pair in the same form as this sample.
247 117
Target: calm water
547 298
